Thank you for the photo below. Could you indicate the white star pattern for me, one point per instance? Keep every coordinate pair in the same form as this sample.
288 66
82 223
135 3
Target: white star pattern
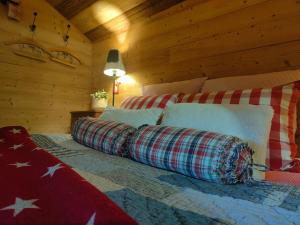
15 131
19 165
16 146
36 149
1 140
52 170
92 219
21 204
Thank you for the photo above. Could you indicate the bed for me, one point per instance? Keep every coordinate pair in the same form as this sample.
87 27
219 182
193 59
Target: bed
151 195
156 196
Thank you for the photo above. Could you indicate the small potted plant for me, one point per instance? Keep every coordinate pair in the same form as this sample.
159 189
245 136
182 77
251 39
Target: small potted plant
99 99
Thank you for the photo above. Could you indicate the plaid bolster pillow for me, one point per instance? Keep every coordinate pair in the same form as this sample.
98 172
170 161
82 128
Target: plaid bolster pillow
200 154
107 136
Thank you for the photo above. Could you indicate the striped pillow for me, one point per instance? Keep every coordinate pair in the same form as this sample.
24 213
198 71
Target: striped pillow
146 102
107 136
282 147
200 154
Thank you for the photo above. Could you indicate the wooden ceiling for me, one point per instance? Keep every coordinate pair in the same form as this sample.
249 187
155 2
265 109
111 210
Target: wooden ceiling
99 19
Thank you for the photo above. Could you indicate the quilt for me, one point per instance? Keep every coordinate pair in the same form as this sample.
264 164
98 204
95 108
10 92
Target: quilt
155 196
36 188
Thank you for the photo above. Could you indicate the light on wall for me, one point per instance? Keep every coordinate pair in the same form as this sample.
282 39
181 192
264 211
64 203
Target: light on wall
103 12
114 67
126 79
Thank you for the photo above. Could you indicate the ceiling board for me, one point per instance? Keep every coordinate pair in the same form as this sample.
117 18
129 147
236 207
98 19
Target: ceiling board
55 2
97 13
99 18
71 7
134 15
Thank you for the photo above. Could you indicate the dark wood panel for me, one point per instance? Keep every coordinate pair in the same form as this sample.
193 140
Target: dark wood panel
70 8
55 2
134 15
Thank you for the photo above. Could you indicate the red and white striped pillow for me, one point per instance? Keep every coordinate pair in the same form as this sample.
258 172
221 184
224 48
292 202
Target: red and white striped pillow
282 147
146 102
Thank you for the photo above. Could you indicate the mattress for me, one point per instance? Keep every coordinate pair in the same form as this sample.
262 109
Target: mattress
156 196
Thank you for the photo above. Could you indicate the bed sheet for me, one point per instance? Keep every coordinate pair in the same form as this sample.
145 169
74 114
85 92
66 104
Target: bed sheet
155 196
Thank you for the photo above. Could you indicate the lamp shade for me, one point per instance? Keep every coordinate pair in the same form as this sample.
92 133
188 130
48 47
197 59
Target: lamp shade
114 64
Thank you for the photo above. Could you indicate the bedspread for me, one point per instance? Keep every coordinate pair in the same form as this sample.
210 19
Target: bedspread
155 196
38 189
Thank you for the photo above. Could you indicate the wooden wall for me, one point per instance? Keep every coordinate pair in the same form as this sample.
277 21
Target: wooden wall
40 95
214 38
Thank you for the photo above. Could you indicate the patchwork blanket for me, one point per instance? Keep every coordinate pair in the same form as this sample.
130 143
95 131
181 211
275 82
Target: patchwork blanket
38 189
156 196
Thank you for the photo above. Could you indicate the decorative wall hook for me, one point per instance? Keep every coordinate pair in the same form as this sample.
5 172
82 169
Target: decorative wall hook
66 36
30 49
33 26
65 57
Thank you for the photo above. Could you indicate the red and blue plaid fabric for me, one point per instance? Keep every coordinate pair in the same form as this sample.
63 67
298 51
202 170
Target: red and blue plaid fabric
107 136
283 99
147 102
200 154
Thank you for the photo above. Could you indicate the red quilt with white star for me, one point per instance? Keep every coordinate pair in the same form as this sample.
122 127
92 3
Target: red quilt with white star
37 188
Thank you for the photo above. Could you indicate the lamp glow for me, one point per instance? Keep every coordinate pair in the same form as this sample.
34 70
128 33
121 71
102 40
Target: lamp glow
114 72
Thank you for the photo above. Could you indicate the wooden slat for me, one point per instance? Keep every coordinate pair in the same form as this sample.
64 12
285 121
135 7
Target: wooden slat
258 36
260 26
285 56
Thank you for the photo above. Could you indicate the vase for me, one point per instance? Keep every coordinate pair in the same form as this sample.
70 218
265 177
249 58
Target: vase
99 103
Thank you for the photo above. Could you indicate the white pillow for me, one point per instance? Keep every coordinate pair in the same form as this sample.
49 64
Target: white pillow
133 117
250 123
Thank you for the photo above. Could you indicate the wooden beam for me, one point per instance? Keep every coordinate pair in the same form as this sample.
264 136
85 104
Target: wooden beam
134 15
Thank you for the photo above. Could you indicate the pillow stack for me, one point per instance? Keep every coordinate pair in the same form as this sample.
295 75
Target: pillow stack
282 148
200 154
214 136
250 123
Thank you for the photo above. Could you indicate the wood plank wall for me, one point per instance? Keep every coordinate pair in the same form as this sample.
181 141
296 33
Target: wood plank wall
214 38
40 95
